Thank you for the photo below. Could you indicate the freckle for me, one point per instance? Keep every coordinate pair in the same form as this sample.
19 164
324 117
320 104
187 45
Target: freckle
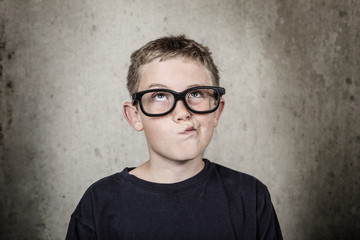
352 98
358 139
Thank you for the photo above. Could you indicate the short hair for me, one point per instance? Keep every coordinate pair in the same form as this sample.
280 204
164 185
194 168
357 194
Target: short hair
166 48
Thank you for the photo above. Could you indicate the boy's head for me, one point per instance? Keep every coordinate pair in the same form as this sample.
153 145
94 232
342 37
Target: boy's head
167 48
161 73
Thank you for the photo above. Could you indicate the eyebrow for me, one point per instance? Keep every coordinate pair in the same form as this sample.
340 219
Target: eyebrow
157 85
164 86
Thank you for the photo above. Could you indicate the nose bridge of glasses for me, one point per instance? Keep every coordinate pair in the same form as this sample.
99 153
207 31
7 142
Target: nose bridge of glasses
181 111
182 97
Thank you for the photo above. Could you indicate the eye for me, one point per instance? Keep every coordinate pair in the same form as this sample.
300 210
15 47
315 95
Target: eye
160 96
196 94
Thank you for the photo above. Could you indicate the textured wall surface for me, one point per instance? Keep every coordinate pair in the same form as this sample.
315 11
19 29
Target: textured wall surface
292 117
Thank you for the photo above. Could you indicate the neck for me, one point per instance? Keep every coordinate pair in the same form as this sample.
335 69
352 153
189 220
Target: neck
168 171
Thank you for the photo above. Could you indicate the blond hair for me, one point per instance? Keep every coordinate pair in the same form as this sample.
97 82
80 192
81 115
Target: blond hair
166 48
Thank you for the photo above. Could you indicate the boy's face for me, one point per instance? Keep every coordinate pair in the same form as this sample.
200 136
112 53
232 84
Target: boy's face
180 135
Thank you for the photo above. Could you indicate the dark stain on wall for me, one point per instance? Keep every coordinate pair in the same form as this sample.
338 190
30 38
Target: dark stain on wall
9 56
2 34
1 136
343 14
348 81
10 85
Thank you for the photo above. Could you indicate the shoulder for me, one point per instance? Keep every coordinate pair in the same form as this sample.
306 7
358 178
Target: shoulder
83 218
98 193
239 181
106 185
105 181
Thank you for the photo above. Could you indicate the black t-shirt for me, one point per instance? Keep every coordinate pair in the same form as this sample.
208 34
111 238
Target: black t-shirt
217 203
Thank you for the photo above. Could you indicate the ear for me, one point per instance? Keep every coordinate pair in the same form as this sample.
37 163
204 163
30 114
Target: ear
132 116
218 112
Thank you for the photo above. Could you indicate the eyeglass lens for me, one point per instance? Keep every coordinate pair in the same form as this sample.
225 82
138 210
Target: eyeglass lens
201 100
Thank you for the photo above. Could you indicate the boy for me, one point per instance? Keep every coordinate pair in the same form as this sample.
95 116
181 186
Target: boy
176 194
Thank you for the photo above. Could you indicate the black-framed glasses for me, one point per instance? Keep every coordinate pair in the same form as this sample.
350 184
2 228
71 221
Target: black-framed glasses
160 102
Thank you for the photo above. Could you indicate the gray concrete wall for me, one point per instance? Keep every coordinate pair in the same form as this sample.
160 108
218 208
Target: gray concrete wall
292 119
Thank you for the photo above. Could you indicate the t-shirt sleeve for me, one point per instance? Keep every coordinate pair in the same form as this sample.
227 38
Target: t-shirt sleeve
81 226
267 221
79 231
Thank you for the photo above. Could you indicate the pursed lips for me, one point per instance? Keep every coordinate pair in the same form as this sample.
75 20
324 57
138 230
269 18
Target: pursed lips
188 130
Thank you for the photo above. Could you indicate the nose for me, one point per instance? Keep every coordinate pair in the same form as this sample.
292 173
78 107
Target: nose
181 113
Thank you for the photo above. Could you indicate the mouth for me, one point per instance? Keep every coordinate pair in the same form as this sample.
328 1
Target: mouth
188 130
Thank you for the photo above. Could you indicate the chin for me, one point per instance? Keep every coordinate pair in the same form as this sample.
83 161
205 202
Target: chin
188 154
188 157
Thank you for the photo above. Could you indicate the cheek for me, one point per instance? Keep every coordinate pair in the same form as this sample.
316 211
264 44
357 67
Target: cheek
155 130
207 124
207 121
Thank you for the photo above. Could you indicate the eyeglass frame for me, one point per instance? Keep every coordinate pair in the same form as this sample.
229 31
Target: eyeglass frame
136 97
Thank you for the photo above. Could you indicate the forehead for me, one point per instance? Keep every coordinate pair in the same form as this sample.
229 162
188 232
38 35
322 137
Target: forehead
177 74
